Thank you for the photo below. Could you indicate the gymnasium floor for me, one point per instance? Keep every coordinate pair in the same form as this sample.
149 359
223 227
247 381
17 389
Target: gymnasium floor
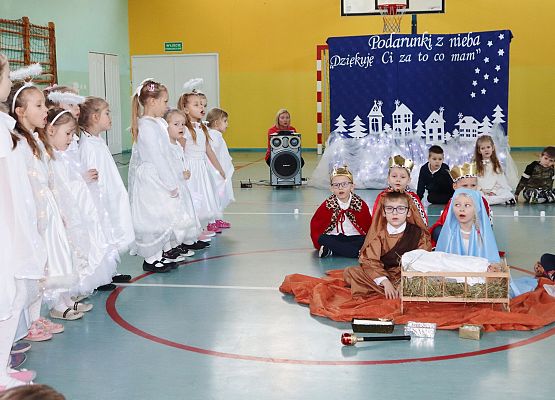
218 328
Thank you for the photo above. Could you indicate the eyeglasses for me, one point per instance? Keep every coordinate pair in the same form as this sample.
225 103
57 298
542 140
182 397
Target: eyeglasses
398 209
341 185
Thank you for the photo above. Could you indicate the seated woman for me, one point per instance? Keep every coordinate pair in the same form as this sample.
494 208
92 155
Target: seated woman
467 229
283 123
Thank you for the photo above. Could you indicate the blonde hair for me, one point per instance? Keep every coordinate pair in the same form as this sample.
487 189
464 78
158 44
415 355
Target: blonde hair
215 115
173 111
478 156
61 117
91 106
181 105
150 90
21 101
281 111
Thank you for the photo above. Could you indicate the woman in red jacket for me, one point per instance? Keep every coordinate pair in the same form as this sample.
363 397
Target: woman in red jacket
283 123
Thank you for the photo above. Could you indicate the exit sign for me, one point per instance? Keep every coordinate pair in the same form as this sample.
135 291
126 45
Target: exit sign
173 46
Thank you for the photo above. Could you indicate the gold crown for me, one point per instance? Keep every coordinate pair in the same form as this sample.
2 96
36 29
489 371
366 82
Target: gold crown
466 170
401 162
341 171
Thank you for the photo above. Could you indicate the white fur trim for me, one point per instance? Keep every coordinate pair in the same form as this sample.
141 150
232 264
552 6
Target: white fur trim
26 72
65 98
192 84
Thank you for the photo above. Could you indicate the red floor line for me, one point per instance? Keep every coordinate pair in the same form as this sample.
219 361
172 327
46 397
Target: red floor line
116 317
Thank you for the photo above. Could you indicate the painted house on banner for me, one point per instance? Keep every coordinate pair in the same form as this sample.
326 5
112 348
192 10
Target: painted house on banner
402 120
375 118
435 128
468 127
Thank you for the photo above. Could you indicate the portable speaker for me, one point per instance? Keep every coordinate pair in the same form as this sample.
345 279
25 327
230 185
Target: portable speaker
285 160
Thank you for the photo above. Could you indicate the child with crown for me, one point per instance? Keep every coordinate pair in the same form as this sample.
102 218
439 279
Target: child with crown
340 224
398 179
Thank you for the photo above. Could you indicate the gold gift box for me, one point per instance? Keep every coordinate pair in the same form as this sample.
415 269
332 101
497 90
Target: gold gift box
469 331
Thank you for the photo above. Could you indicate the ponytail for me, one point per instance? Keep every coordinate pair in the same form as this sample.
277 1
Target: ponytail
135 114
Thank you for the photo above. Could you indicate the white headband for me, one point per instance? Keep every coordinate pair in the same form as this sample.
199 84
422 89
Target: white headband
25 86
65 97
58 116
140 87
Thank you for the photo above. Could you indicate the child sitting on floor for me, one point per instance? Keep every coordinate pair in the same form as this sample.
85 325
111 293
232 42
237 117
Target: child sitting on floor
492 181
467 230
536 183
463 176
342 221
398 179
396 229
545 268
434 178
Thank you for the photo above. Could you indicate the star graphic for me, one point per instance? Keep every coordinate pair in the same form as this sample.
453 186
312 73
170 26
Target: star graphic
477 70
474 83
486 77
495 80
472 94
483 91
497 67
501 36
486 60
490 43
500 52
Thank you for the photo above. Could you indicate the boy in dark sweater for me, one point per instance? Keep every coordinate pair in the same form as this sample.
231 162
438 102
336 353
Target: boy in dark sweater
434 177
536 183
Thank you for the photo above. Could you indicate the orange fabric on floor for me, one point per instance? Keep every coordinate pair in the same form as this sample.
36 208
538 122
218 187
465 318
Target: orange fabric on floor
329 297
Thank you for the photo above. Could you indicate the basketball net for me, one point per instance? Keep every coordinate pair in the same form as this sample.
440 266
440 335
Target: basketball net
392 14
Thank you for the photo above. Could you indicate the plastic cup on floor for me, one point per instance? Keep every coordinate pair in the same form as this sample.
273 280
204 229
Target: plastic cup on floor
515 213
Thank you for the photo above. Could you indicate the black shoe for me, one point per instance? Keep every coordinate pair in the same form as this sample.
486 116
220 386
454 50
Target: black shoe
194 246
173 255
511 202
106 288
120 278
203 244
157 266
324 252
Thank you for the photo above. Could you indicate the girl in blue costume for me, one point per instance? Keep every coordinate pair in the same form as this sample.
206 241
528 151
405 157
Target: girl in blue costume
467 230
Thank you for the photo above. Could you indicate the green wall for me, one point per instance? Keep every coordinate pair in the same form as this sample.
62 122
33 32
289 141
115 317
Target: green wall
83 26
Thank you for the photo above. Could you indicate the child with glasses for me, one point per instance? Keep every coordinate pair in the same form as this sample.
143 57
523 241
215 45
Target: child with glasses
342 220
396 229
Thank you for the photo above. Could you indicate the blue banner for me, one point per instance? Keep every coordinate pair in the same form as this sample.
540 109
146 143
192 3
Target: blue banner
429 86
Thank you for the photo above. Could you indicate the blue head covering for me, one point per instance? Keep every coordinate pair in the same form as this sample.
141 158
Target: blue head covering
481 242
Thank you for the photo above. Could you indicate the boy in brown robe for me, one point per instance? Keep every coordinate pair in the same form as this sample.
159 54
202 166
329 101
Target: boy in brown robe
393 232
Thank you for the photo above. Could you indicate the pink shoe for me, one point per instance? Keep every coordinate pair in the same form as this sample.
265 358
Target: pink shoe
205 238
208 233
23 375
213 228
222 224
38 333
50 326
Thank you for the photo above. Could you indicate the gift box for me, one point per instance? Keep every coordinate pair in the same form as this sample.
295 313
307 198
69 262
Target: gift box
469 331
372 325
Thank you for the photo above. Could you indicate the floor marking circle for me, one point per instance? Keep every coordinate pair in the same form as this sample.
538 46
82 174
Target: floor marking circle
117 318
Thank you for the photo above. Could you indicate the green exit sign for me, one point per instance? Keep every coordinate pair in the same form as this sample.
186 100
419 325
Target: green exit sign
173 46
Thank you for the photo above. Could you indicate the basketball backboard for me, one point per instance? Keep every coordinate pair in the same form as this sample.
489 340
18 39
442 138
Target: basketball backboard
371 7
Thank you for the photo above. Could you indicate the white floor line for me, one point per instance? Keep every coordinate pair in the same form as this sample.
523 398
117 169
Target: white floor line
429 215
196 286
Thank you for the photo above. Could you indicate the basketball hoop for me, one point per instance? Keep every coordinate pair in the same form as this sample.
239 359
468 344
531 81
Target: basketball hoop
392 14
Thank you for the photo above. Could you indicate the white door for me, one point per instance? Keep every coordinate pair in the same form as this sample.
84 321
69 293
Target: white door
104 82
174 70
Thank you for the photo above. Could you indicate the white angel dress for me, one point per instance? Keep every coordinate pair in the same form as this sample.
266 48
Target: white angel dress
177 162
22 252
224 187
495 183
94 154
59 272
159 218
84 227
201 184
